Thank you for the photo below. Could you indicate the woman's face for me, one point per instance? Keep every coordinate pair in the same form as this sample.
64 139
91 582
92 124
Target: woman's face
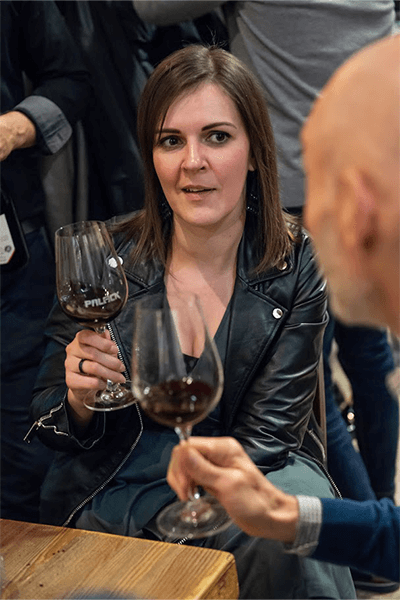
202 158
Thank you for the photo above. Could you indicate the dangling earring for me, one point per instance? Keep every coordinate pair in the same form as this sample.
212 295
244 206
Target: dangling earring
165 209
253 193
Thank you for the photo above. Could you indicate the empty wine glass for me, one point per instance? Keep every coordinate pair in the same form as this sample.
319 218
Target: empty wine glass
177 378
92 290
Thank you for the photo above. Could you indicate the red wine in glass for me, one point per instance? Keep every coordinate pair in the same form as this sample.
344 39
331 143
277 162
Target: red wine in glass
92 290
91 307
177 395
177 403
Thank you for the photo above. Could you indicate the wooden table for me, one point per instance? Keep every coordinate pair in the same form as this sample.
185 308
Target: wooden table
42 561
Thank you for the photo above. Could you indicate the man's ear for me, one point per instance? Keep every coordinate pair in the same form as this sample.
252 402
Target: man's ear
356 212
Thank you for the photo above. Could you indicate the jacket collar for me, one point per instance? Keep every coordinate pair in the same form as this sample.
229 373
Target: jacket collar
248 259
150 273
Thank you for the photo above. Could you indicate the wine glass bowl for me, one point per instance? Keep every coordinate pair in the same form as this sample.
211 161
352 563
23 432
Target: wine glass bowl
92 290
178 403
91 285
177 377
88 306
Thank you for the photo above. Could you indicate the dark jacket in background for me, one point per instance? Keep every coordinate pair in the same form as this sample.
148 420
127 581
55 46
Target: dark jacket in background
35 41
121 51
35 45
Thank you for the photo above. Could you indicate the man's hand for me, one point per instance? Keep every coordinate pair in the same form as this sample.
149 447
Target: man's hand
16 131
221 467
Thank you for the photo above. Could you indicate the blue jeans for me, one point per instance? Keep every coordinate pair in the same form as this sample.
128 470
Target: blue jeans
26 298
366 358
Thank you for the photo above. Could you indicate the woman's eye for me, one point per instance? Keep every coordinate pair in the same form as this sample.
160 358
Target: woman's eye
219 137
169 142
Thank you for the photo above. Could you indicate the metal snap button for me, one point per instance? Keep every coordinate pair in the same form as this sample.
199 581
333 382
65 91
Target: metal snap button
113 263
277 313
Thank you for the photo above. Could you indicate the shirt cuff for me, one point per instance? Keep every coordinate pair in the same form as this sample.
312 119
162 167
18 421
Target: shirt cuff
52 128
308 526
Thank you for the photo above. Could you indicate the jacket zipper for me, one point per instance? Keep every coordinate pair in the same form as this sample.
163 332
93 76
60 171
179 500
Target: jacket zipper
333 484
322 466
179 542
185 539
318 442
40 423
103 485
112 335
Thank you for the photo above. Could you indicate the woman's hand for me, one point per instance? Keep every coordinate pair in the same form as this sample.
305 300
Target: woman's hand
101 362
222 467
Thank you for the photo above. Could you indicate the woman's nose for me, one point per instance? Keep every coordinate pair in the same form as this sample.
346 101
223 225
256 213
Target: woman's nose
194 157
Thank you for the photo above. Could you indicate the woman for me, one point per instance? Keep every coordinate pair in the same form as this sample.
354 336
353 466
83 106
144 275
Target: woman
212 224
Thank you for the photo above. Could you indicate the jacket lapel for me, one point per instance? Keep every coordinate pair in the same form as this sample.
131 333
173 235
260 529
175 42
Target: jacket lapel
252 329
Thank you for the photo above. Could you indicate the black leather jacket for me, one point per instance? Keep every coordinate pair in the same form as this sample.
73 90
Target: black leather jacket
277 324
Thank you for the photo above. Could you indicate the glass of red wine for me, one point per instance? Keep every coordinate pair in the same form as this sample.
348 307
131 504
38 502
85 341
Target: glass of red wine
177 377
92 290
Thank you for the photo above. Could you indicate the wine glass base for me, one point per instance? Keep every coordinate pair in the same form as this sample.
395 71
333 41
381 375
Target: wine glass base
193 519
106 401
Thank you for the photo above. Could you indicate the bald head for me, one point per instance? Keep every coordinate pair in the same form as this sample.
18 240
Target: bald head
351 145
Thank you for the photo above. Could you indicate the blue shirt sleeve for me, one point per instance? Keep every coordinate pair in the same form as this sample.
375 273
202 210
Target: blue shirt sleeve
363 535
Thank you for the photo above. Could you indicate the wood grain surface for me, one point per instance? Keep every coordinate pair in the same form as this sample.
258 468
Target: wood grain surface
42 561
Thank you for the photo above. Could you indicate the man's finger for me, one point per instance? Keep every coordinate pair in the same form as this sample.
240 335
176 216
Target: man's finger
198 468
222 451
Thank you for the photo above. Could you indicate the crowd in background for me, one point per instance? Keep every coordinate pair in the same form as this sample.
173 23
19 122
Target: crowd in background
81 160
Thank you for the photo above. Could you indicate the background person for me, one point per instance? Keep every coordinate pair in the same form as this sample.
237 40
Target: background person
120 51
34 42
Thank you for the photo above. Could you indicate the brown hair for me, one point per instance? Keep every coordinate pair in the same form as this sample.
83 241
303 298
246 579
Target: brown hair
180 73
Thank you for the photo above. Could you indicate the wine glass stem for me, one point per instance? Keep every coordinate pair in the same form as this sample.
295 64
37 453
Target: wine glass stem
184 434
100 329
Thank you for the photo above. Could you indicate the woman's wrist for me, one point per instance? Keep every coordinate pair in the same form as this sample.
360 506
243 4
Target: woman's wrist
80 415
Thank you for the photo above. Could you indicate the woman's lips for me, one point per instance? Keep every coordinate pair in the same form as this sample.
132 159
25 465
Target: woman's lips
197 190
